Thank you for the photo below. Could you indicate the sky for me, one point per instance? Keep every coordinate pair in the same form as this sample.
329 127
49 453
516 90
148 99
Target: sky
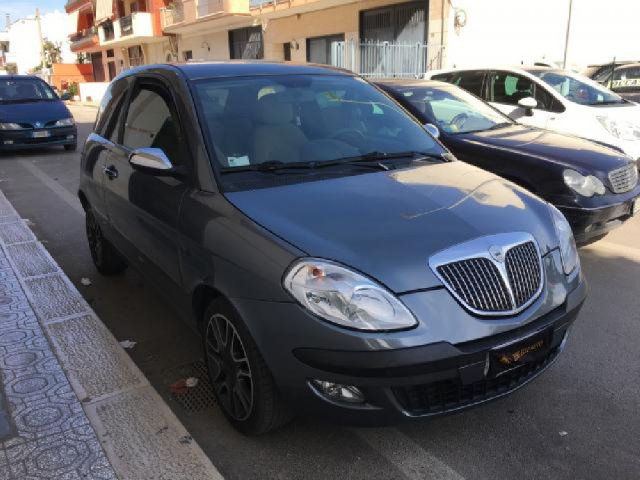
22 8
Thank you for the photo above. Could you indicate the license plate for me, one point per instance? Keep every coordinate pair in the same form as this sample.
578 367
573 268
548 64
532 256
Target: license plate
503 359
42 134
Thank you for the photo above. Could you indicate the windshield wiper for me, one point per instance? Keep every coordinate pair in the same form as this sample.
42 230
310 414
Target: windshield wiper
276 166
500 125
377 156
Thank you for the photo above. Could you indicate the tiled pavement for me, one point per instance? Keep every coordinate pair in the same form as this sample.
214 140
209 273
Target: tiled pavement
79 406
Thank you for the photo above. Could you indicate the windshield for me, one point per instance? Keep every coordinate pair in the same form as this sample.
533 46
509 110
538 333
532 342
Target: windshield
452 110
578 89
303 120
25 89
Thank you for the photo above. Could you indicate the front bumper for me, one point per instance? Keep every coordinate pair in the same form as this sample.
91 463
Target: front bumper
12 140
401 375
591 223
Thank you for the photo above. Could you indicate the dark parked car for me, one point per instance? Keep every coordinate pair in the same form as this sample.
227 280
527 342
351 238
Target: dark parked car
595 187
625 81
334 261
33 116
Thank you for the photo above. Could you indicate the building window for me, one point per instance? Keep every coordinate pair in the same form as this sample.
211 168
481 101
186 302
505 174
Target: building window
110 53
326 50
136 56
187 55
287 51
246 43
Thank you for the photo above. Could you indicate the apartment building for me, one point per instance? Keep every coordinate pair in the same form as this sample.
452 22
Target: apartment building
372 37
119 34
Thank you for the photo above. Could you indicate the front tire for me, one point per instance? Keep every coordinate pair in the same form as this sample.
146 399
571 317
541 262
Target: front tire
241 380
105 257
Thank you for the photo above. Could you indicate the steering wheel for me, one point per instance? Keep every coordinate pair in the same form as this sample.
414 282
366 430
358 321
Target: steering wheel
351 136
459 120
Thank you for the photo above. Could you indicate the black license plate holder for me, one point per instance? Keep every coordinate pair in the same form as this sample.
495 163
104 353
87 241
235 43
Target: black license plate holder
514 355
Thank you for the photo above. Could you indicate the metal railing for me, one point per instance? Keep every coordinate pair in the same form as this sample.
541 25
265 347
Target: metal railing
83 34
387 59
172 15
126 25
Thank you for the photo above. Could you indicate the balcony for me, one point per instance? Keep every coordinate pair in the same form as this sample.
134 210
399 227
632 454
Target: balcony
127 30
84 39
188 16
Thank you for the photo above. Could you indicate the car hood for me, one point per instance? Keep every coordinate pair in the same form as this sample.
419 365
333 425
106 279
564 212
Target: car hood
567 150
388 224
31 112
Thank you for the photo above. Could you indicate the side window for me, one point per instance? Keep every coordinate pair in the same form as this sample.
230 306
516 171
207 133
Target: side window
107 125
151 123
509 88
443 77
470 81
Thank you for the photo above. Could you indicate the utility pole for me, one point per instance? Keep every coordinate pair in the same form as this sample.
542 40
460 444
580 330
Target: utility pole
566 42
40 41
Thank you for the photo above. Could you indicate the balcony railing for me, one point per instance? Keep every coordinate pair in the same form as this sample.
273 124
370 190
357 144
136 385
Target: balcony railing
82 35
126 25
230 7
173 14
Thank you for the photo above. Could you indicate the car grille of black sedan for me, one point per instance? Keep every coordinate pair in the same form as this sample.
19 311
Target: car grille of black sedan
624 179
451 394
487 289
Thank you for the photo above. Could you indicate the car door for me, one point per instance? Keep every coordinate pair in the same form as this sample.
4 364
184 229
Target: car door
505 89
144 208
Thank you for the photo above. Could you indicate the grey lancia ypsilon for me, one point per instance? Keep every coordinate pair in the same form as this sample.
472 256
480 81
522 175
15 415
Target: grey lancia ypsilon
335 258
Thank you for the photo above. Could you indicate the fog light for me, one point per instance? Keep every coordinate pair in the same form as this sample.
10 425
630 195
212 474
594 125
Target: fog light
8 142
337 392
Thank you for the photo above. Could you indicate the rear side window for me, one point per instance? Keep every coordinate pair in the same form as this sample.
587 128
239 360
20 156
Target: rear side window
443 77
150 123
470 81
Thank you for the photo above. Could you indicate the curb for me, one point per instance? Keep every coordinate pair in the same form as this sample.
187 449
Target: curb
136 429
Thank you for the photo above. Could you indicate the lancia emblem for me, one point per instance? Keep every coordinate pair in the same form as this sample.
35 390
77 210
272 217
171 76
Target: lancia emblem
38 124
497 253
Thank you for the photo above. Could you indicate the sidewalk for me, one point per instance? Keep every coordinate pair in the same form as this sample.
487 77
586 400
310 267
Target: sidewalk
77 405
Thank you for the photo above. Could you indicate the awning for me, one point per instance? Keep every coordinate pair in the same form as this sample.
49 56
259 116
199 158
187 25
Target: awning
104 10
72 18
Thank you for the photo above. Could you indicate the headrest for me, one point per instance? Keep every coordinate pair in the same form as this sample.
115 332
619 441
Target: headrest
273 109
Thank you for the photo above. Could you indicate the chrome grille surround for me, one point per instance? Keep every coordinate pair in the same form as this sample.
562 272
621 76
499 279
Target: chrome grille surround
495 275
624 179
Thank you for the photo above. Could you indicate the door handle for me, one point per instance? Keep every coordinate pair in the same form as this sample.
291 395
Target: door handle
110 171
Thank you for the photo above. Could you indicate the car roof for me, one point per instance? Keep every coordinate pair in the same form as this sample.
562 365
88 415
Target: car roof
20 77
628 66
241 68
404 82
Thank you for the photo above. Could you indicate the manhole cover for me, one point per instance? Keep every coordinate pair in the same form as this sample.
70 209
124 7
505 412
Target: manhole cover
198 398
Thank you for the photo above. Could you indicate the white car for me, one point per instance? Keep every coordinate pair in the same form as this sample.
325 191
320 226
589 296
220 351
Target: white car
557 100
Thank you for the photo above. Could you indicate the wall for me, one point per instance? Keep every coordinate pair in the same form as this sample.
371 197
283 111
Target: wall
502 32
218 43
92 91
70 73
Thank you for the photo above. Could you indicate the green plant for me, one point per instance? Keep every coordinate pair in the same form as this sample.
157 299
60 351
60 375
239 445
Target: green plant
73 89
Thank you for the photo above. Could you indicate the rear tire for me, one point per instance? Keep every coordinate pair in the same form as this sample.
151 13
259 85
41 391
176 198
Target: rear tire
105 257
241 380
71 148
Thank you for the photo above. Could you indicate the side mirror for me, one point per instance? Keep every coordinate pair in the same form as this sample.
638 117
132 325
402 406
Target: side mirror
432 129
152 161
528 103
65 96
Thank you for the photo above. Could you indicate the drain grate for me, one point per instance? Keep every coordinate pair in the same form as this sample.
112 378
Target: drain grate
200 397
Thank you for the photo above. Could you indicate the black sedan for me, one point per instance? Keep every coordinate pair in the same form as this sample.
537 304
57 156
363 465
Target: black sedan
33 116
595 187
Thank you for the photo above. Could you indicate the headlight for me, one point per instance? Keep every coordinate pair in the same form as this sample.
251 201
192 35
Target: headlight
10 126
586 185
621 129
345 297
65 122
568 249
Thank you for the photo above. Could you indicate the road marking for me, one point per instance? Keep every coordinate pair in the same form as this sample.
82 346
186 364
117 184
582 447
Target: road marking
58 189
406 455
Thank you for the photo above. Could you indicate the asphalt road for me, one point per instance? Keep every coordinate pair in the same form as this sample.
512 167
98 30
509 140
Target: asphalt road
580 420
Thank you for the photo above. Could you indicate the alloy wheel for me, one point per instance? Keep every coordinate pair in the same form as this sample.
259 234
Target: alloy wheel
229 367
94 237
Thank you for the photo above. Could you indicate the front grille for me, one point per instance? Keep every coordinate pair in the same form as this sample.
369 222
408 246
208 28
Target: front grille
448 395
624 179
489 287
